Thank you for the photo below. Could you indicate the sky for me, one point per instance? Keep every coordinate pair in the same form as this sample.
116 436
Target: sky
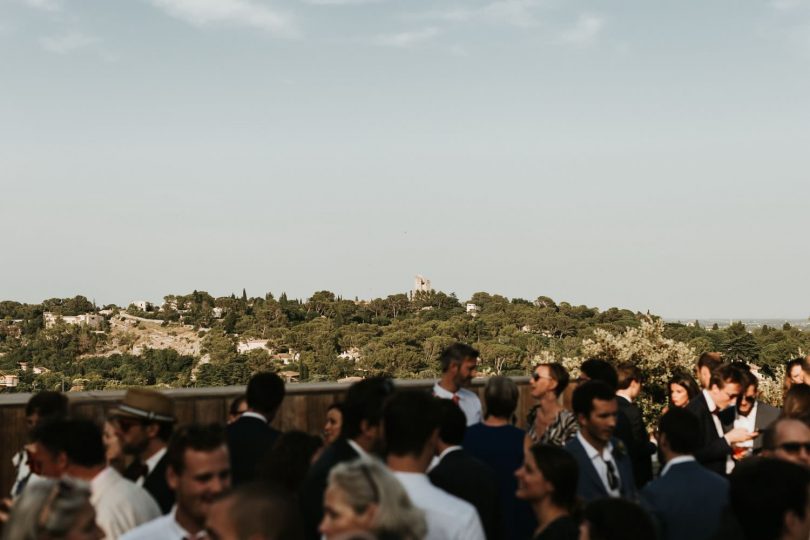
647 155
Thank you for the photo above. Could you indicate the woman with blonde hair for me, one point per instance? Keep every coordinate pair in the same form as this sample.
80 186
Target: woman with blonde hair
363 495
51 509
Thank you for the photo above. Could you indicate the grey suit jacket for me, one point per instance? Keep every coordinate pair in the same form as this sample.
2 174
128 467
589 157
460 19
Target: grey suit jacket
766 415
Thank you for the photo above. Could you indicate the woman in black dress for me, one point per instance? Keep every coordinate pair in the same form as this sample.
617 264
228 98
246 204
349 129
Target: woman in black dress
548 481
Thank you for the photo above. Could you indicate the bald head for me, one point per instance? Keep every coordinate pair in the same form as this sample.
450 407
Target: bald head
788 439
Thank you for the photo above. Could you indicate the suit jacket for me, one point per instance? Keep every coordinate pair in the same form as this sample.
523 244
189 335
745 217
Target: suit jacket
589 485
460 474
687 502
155 483
630 429
712 449
311 495
249 440
766 415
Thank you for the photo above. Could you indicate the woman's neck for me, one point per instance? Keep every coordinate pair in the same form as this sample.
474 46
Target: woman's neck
549 403
546 512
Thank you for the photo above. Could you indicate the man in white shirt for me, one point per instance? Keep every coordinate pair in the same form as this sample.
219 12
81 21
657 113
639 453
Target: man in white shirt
74 448
605 469
753 415
411 432
199 472
459 362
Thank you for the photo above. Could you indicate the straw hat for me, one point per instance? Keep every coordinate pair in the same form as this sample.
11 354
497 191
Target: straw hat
145 405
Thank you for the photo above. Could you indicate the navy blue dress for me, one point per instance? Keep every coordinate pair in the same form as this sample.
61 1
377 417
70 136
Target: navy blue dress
502 449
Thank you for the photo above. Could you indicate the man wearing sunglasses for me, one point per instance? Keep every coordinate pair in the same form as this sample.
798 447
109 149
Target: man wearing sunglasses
788 439
753 414
144 422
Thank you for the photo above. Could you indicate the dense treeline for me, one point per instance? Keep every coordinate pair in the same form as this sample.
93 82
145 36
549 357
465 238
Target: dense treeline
400 335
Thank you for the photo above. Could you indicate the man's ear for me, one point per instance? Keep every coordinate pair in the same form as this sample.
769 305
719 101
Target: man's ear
62 461
172 478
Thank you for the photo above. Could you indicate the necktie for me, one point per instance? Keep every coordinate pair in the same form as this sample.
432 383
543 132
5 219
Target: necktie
456 399
136 471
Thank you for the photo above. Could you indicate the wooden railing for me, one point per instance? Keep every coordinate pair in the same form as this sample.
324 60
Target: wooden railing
304 408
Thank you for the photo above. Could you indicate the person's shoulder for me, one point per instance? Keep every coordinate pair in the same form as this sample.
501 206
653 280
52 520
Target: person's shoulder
467 393
149 530
445 503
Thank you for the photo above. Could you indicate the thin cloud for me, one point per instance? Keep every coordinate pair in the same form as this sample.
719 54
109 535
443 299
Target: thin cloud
67 43
585 32
407 40
44 5
340 2
510 12
202 13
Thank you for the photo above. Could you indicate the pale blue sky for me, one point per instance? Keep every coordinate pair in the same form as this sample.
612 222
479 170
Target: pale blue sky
649 155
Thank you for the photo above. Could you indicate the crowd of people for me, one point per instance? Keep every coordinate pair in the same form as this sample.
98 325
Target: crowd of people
404 464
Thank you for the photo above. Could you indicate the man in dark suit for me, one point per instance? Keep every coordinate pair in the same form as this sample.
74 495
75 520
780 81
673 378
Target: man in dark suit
360 436
460 474
251 437
752 413
687 500
630 427
711 408
604 466
144 422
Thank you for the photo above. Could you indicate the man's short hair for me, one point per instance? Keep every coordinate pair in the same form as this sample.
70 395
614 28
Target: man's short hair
682 430
770 434
265 392
364 401
627 373
585 393
560 469
452 422
727 373
197 437
80 440
600 370
409 419
47 403
455 354
501 397
260 511
711 360
762 491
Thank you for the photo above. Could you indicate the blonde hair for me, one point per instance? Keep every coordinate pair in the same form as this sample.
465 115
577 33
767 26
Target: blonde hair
47 509
366 482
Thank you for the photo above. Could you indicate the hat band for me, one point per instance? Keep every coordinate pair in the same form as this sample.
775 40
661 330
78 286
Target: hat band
149 415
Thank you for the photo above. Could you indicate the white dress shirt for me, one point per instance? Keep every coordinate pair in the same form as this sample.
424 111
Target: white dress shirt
120 505
718 426
600 461
467 400
448 517
359 449
151 463
748 423
163 528
254 414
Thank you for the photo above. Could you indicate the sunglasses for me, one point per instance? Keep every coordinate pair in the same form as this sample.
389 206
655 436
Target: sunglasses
795 447
750 399
536 377
127 423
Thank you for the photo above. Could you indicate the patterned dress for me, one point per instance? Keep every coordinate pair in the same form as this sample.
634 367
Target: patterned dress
558 432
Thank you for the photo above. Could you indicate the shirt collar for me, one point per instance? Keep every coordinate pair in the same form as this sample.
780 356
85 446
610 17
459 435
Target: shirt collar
254 414
676 461
359 449
607 453
709 401
152 462
447 451
442 392
178 529
752 413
